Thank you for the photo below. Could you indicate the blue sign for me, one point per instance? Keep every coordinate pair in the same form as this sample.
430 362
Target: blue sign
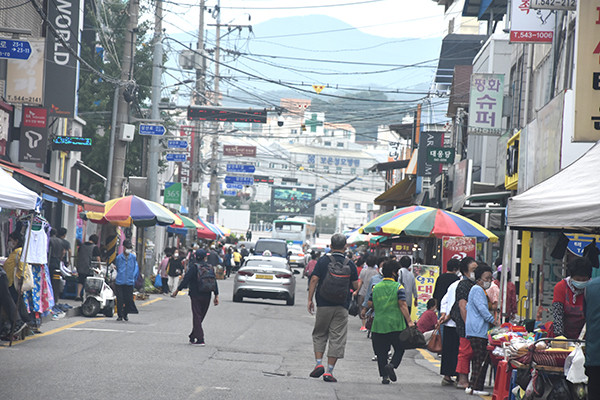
15 49
578 243
338 161
234 186
241 168
240 180
177 144
177 157
156 130
229 193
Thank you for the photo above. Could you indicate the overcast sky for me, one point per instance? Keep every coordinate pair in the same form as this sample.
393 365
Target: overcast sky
387 18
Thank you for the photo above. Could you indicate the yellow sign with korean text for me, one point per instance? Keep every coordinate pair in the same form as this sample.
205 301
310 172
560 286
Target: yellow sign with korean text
425 278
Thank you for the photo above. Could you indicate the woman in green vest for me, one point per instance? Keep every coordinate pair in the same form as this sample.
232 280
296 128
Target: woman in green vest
388 300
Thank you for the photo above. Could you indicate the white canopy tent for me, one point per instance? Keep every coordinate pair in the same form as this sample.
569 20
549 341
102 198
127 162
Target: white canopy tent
14 195
568 200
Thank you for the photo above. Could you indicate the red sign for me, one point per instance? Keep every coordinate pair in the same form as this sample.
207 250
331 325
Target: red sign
457 247
34 117
239 151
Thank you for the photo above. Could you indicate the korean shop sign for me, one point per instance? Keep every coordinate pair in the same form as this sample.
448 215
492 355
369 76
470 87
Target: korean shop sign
530 26
442 155
485 104
587 72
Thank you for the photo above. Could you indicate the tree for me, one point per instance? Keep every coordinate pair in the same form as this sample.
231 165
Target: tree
95 103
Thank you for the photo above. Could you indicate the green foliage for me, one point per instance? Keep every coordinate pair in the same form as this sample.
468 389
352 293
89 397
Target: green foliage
96 95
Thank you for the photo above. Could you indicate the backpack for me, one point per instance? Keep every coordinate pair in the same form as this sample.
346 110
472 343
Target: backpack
206 278
336 284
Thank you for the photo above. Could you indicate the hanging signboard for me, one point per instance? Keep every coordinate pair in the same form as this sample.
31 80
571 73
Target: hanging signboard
587 73
25 79
486 96
569 5
530 26
239 151
457 247
442 155
172 194
33 145
428 141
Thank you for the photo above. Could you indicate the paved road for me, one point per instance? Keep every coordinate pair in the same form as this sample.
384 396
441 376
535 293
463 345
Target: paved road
255 350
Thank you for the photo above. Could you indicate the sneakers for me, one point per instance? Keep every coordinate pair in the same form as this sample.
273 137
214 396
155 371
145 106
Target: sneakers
374 358
469 390
389 369
120 319
126 318
329 378
385 380
363 329
447 382
19 327
480 393
197 342
317 372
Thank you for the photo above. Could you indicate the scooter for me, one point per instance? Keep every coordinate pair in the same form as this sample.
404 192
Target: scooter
97 295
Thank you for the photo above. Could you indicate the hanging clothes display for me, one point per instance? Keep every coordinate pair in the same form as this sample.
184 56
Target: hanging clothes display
40 299
36 242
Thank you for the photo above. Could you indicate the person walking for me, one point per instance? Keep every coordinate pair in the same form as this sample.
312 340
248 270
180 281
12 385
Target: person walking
363 282
333 277
127 272
407 279
162 270
174 270
213 258
477 324
87 254
237 258
446 279
450 339
458 313
202 284
388 300
56 252
228 260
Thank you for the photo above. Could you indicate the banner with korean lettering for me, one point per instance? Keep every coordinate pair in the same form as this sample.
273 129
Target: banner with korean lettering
485 104
33 145
425 278
457 247
530 26
587 73
25 78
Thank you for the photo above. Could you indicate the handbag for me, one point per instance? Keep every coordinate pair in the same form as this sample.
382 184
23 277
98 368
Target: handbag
26 284
411 338
435 342
353 309
158 281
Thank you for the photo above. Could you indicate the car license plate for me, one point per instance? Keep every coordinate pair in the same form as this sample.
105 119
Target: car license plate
258 276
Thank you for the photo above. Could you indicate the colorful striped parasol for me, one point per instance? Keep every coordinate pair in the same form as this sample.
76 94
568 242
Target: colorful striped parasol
424 221
124 211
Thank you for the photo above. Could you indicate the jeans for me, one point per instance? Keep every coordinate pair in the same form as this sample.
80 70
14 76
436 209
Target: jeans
199 309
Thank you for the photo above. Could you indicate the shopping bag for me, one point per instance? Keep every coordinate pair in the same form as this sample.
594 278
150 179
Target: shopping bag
574 366
353 309
435 342
411 338
158 281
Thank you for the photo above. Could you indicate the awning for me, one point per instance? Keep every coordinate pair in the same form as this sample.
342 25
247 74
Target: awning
387 166
56 190
399 195
568 200
483 9
457 50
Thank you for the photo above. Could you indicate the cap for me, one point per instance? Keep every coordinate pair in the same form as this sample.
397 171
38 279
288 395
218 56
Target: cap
127 244
200 254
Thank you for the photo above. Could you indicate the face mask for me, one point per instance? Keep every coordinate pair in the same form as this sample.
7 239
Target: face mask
176 255
11 244
487 285
127 251
472 276
579 284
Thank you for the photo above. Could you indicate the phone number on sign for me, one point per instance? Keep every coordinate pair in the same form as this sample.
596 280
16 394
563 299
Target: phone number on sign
531 36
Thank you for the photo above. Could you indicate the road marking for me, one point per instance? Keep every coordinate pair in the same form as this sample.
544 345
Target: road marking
101 330
57 330
427 355
151 301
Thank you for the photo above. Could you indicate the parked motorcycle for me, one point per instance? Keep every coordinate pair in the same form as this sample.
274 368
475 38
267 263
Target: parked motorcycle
97 294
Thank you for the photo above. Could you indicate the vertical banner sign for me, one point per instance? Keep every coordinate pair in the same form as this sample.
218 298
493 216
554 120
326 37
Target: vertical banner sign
186 133
172 193
486 96
428 141
457 247
34 135
425 277
61 65
530 26
4 128
25 78
587 72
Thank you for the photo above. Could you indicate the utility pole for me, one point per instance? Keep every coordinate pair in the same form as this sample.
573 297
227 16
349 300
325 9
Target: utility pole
214 147
153 151
196 171
120 147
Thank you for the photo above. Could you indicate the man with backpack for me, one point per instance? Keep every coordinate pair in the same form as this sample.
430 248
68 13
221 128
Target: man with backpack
333 277
202 283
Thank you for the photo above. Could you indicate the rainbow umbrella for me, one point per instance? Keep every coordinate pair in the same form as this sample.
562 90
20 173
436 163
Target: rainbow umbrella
222 230
124 211
186 223
424 221
207 230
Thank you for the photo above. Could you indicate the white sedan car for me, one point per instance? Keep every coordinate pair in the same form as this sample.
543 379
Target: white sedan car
265 277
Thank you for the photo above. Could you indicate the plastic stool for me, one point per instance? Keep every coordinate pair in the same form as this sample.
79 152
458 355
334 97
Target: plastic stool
502 384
